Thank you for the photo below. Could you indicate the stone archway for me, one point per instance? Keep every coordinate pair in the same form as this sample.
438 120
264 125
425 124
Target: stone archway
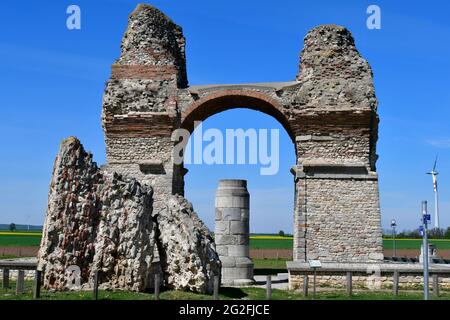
329 111
222 98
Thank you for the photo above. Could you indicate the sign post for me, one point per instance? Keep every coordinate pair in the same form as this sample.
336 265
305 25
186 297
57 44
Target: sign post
393 225
424 230
314 264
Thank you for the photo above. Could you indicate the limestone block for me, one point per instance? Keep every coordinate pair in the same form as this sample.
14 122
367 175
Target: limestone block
238 228
237 273
225 240
231 214
238 251
228 262
222 227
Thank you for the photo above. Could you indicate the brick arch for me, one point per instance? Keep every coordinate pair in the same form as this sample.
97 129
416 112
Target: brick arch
231 99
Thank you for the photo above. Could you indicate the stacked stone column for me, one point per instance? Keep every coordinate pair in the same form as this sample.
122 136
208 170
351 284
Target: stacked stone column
232 232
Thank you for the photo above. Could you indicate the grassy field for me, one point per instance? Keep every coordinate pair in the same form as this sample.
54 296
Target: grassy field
442 244
226 293
275 242
30 239
269 266
271 242
19 239
33 238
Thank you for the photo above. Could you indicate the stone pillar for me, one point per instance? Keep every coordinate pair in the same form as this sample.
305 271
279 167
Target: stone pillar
232 232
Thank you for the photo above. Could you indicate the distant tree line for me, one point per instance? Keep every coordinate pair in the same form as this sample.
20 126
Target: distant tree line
415 234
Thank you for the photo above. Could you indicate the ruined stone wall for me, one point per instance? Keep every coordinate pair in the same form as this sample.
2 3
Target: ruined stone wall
97 220
133 149
329 111
333 75
140 101
364 281
343 220
335 147
160 177
334 104
187 250
337 212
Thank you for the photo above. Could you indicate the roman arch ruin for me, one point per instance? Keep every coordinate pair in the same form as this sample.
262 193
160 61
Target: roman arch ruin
329 111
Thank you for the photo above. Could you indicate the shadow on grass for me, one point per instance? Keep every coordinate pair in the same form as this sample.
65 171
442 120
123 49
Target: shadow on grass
267 271
233 293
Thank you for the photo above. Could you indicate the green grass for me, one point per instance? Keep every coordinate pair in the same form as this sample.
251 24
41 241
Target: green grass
269 266
7 240
375 295
415 243
8 257
11 240
271 243
226 293
19 241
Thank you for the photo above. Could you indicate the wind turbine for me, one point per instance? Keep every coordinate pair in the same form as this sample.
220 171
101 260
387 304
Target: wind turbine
434 174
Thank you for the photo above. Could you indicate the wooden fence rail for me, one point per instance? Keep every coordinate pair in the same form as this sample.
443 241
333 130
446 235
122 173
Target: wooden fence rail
348 270
21 266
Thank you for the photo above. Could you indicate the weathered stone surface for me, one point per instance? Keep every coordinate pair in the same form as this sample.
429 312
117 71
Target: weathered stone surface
232 232
98 221
187 250
368 281
125 239
329 110
150 68
153 39
333 73
95 222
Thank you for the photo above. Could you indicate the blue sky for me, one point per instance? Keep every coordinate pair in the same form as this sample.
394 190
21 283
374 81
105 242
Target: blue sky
53 80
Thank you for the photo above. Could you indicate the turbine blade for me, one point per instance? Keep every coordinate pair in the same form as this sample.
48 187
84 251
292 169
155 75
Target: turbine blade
435 162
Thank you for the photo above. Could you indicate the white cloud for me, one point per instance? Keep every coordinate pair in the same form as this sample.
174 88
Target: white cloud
439 143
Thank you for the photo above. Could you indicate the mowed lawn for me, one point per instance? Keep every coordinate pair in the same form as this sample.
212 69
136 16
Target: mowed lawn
33 238
271 242
20 239
443 244
276 242
225 293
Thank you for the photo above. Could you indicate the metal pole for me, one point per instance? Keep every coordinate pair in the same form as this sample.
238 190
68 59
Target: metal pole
394 251
425 250
436 210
